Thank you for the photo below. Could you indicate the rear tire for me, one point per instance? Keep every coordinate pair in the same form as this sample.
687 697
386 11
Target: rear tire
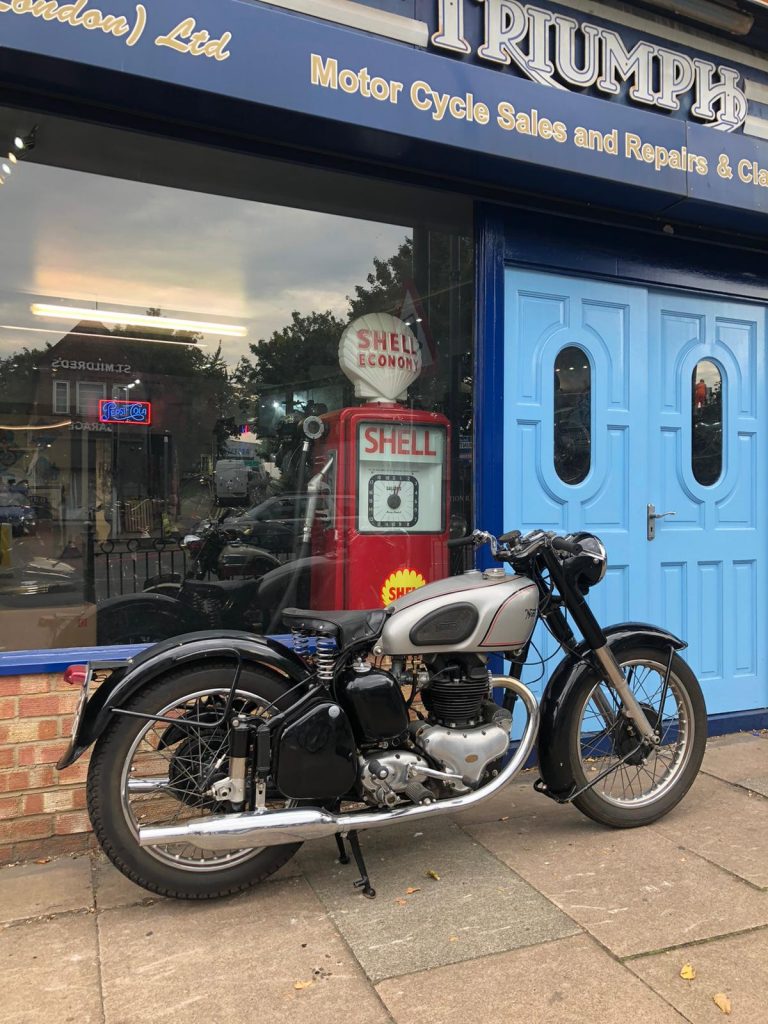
171 870
637 793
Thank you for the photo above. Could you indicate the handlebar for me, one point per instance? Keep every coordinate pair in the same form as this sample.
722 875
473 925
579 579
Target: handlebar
462 542
569 546
516 545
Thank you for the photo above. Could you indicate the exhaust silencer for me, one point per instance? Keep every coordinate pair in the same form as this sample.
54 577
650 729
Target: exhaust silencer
257 829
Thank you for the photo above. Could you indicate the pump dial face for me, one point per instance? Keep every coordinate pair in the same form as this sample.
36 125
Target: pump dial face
393 499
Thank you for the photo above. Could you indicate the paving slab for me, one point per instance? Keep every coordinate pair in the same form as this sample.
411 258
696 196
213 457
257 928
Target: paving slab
737 758
635 890
476 907
569 981
30 890
236 960
736 966
519 799
112 889
49 972
757 784
724 824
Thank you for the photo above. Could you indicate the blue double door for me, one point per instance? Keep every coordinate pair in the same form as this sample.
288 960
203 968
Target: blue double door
617 398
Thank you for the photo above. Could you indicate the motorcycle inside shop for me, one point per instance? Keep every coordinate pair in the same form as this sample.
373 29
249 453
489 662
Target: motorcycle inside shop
218 753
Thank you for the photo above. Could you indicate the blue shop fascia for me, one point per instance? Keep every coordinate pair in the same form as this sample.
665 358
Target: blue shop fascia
615 161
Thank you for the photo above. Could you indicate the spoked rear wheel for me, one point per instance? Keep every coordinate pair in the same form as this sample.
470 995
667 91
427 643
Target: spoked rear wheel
148 772
645 783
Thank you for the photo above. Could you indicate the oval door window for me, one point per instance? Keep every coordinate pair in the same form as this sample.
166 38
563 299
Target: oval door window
707 434
573 415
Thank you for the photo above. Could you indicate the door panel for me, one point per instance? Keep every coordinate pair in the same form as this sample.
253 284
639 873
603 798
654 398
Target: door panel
710 559
705 575
607 323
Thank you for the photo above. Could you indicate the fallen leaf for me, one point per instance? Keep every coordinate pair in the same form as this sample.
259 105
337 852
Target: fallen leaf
722 1002
43 860
454 938
401 903
302 984
433 874
688 972
411 890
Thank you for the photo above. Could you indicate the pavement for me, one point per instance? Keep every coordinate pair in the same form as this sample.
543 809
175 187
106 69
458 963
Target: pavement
520 912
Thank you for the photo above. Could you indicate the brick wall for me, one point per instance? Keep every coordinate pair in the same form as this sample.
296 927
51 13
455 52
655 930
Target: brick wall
42 810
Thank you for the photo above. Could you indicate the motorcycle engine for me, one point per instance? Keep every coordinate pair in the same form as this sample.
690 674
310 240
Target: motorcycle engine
465 731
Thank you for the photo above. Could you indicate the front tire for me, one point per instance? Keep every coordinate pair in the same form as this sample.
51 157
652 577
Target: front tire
131 751
652 782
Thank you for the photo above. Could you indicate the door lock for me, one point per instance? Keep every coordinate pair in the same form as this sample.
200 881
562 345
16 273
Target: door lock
653 515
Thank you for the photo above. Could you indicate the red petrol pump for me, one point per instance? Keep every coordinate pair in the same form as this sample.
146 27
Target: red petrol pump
385 530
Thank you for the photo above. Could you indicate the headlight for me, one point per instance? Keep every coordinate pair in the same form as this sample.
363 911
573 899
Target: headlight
592 564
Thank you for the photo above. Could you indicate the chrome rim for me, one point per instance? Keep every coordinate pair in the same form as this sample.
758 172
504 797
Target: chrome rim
156 780
605 736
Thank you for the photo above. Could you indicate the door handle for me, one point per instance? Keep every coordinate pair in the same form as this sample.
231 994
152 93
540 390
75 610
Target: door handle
653 515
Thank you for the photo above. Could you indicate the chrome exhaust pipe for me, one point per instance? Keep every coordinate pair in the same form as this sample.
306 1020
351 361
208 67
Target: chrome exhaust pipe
257 829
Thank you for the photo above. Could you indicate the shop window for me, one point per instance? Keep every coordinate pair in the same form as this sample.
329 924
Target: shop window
707 432
211 322
61 396
573 415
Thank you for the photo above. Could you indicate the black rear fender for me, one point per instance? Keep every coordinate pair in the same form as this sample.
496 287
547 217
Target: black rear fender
155 614
557 701
170 655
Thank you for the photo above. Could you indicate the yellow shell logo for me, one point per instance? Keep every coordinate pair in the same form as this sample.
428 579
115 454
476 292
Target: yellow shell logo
399 583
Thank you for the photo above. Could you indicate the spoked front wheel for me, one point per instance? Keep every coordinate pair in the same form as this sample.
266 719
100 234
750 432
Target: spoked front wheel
637 784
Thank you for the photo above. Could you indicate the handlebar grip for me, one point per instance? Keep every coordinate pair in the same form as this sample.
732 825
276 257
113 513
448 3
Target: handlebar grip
461 542
561 544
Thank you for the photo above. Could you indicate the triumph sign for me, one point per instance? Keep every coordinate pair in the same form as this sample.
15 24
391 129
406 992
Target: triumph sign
555 50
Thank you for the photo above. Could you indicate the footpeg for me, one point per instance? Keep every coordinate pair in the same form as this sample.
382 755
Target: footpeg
418 794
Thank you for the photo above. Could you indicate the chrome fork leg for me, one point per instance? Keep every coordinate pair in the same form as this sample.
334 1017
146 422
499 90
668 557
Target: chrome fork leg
632 706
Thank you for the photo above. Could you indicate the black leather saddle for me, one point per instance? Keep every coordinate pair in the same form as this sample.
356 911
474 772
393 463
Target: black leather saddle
347 627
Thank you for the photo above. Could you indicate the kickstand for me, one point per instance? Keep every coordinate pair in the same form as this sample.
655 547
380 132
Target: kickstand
343 856
364 881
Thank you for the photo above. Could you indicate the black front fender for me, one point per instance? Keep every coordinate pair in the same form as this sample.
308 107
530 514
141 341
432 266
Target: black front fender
167 656
556 703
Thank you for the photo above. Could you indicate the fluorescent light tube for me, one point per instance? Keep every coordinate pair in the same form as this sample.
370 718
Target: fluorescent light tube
114 316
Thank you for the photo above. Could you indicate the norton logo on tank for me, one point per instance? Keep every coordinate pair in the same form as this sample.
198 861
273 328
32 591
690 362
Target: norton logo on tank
556 50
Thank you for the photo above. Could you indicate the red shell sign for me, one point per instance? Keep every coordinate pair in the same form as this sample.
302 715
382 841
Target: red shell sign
381 356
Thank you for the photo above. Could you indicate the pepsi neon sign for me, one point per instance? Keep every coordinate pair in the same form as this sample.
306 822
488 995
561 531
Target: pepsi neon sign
119 410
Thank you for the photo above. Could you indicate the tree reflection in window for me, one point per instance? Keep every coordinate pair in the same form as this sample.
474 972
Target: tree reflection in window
573 415
707 442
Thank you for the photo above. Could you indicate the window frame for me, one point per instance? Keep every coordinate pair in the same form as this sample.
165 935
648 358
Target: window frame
55 404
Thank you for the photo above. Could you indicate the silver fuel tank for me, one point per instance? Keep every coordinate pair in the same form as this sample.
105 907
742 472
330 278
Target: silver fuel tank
478 611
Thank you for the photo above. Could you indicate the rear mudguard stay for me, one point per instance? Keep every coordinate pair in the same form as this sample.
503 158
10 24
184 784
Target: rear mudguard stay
557 703
182 651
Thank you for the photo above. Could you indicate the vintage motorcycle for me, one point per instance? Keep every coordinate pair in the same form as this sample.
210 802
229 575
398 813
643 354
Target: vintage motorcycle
217 754
171 604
